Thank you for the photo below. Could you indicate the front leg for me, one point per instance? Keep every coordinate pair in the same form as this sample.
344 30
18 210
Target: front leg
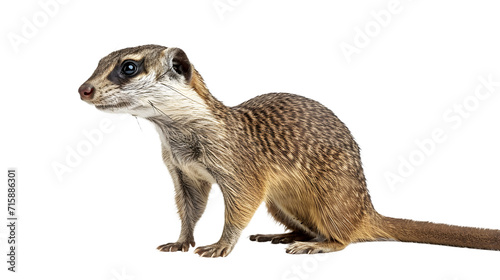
191 197
224 246
240 205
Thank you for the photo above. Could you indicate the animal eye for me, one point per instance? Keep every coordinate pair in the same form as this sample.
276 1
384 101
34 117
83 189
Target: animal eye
129 68
177 68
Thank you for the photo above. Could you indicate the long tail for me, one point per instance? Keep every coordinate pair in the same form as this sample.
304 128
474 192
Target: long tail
441 234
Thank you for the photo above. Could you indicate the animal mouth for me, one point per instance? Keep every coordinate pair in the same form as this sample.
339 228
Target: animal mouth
112 106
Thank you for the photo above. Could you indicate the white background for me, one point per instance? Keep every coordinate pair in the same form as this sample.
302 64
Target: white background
104 219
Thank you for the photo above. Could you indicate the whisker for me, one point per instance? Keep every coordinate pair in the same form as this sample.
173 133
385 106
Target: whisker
164 73
174 89
156 108
139 124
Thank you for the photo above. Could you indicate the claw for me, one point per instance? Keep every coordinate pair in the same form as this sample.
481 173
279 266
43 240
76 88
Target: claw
175 246
214 251
284 238
314 247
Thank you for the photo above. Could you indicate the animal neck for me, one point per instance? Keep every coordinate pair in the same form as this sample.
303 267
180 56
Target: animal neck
199 113
216 107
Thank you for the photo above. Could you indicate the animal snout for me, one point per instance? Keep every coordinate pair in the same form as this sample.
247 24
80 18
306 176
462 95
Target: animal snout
86 91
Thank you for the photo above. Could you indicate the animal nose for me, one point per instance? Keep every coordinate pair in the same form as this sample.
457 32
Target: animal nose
86 91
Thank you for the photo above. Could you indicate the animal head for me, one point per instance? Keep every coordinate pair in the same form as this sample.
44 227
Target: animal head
144 81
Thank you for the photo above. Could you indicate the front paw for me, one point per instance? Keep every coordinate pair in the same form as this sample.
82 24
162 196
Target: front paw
176 246
214 251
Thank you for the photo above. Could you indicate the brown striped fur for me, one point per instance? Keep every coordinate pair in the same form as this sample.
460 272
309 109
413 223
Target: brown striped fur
285 150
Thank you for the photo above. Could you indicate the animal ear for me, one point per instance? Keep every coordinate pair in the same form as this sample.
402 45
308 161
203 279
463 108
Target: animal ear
180 64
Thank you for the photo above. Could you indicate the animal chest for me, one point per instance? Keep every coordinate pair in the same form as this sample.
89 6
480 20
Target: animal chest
186 155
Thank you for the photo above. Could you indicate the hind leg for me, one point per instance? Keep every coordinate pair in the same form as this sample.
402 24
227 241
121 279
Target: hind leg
315 247
283 238
298 231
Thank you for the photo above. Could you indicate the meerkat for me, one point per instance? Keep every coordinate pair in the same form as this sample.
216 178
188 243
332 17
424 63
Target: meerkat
284 150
